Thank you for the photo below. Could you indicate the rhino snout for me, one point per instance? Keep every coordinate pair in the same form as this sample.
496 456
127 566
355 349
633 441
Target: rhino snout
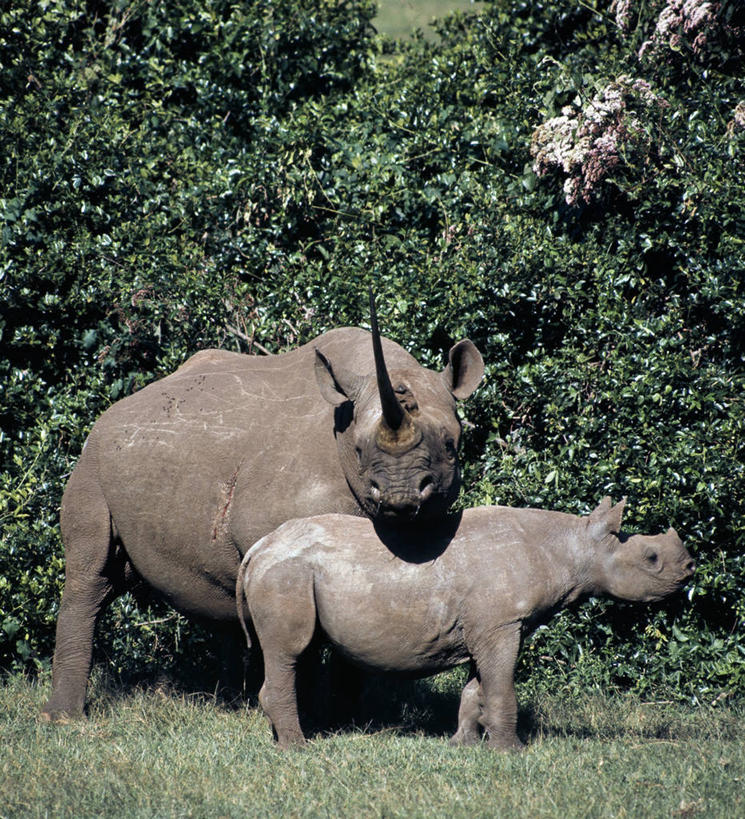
402 503
685 570
684 575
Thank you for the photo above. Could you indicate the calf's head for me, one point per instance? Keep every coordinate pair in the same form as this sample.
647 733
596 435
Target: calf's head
398 440
635 567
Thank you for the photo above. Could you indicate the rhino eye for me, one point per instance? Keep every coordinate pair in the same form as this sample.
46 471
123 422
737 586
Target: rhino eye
450 449
651 558
358 453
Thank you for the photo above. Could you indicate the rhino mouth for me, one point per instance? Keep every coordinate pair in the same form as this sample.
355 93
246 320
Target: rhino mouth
405 510
674 586
427 502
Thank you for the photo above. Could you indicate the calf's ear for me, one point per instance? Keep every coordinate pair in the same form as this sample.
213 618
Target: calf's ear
336 384
464 370
605 519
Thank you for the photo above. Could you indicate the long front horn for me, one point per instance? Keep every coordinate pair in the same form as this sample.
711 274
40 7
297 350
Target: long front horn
397 432
393 412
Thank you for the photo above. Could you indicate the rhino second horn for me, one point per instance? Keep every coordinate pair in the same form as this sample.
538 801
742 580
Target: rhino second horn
401 440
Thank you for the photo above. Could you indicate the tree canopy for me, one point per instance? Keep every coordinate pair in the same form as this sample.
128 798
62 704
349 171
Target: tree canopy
561 182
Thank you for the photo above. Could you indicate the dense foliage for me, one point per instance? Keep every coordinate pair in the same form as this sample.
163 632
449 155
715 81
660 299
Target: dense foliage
561 182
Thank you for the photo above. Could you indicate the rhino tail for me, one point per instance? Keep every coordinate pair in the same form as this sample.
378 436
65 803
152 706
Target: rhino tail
240 595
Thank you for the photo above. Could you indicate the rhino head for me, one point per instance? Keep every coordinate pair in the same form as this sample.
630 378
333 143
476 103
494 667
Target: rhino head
640 568
398 431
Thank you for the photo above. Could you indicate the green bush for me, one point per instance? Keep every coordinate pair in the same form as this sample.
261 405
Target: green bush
183 174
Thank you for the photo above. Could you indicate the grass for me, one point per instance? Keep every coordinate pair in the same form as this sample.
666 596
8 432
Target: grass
156 752
399 18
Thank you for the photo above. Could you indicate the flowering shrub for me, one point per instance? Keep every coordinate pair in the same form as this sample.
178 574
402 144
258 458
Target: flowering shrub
688 22
588 144
697 26
622 9
738 117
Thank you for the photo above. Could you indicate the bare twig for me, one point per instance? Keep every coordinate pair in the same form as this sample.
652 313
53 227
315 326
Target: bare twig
252 341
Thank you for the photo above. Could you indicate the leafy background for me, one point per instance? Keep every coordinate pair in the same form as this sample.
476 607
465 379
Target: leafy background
184 174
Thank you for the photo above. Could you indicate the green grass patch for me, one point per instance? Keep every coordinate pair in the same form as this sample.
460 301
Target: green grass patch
400 18
155 751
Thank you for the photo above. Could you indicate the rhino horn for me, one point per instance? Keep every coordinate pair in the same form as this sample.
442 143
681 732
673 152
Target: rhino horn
397 432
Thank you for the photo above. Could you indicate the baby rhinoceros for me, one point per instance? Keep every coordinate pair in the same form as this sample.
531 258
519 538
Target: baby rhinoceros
467 593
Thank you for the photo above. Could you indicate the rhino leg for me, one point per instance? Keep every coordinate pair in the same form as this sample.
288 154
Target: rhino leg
469 713
95 572
496 671
283 611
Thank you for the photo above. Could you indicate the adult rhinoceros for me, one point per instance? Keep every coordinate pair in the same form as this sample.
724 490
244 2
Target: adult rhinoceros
177 481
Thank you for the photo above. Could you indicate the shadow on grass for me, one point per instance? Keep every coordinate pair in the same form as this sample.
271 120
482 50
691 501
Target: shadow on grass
220 670
334 696
379 702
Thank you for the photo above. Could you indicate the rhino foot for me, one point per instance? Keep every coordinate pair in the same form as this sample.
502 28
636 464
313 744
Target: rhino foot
292 743
506 744
465 738
60 716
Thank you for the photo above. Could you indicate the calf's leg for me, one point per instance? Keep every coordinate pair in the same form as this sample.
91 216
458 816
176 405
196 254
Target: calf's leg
283 611
495 665
469 714
278 698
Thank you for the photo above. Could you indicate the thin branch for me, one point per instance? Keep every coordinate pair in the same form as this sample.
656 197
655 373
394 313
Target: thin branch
252 341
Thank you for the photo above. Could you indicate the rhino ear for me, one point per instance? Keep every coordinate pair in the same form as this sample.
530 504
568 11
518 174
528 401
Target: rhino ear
602 508
465 369
605 519
336 385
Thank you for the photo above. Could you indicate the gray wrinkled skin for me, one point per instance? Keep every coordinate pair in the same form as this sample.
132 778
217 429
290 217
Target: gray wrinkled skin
176 481
421 603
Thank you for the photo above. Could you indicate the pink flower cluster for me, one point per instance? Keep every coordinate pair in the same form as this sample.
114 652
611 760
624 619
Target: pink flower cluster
689 20
588 143
738 117
697 25
622 8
